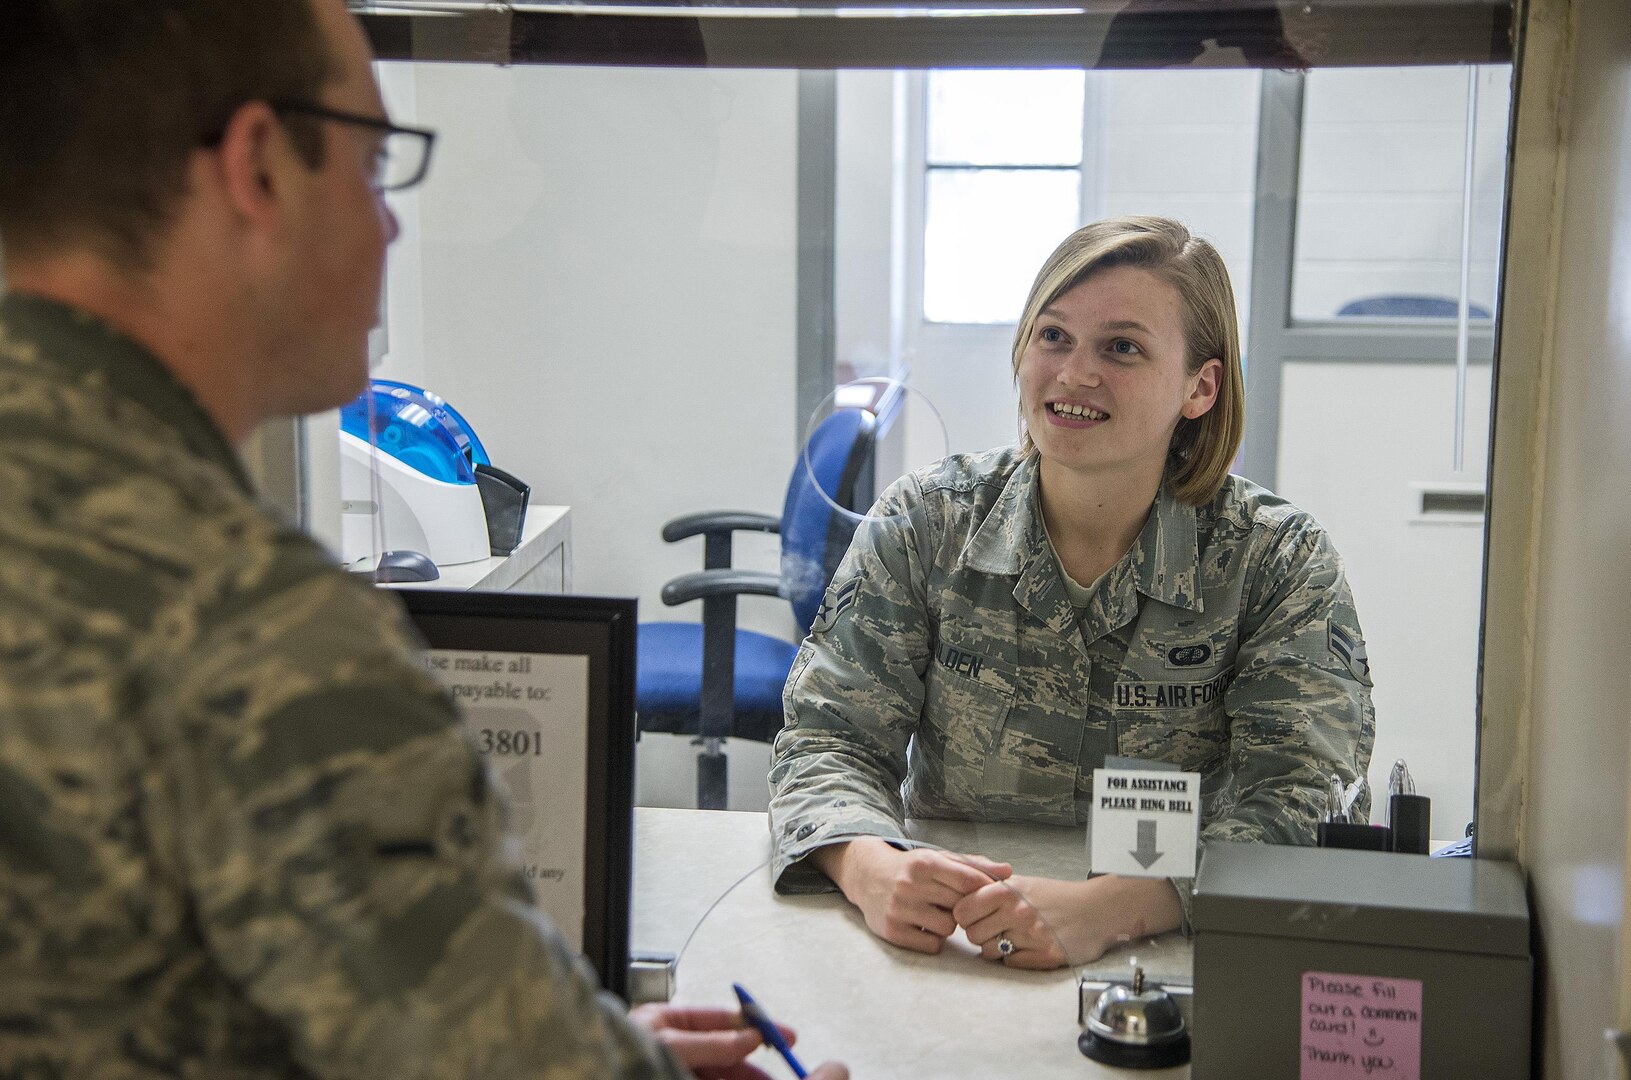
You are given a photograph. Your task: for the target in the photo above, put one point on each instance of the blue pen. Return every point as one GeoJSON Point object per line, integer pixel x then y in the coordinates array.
{"type": "Point", "coordinates": [753, 1014]}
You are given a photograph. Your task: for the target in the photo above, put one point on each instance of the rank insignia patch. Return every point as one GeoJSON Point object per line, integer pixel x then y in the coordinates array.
{"type": "Point", "coordinates": [1345, 647]}
{"type": "Point", "coordinates": [839, 599]}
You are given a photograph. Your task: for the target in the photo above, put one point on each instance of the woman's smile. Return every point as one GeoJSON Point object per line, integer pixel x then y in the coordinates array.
{"type": "Point", "coordinates": [1074, 415]}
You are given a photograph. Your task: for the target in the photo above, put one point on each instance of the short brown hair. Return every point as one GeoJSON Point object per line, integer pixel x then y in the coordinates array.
{"type": "Point", "coordinates": [102, 102]}
{"type": "Point", "coordinates": [1202, 449]}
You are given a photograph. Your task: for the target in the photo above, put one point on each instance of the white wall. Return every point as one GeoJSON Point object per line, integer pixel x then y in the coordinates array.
{"type": "Point", "coordinates": [604, 262]}
{"type": "Point", "coordinates": [1357, 443]}
{"type": "Point", "coordinates": [404, 325]}
{"type": "Point", "coordinates": [870, 222]}
{"type": "Point", "coordinates": [1183, 144]}
{"type": "Point", "coordinates": [1383, 166]}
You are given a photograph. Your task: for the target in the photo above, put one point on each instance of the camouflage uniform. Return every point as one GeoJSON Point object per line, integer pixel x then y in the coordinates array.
{"type": "Point", "coordinates": [240, 833]}
{"type": "Point", "coordinates": [948, 675]}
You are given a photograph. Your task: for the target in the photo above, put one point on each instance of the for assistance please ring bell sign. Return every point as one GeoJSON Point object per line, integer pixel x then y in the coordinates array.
{"type": "Point", "coordinates": [1145, 822]}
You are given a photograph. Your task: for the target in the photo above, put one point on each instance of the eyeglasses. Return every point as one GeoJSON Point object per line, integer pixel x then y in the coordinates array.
{"type": "Point", "coordinates": [403, 157]}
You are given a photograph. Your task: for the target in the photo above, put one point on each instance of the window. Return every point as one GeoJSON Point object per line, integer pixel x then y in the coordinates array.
{"type": "Point", "coordinates": [1395, 164]}
{"type": "Point", "coordinates": [1003, 177]}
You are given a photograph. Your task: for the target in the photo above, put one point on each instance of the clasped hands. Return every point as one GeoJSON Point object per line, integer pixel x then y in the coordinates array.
{"type": "Point", "coordinates": [918, 898]}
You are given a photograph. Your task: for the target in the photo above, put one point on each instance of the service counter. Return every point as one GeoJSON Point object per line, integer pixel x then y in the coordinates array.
{"type": "Point", "coordinates": [702, 891]}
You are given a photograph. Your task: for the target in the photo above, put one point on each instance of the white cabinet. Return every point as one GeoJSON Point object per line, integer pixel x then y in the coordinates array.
{"type": "Point", "coordinates": [542, 564]}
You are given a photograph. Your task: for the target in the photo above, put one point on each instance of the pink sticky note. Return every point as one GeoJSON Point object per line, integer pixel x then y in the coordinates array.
{"type": "Point", "coordinates": [1356, 1027]}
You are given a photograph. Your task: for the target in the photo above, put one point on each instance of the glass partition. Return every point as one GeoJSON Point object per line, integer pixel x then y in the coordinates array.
{"type": "Point", "coordinates": [655, 247]}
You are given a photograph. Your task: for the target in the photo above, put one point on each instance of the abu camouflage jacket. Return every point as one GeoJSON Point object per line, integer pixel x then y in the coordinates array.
{"type": "Point", "coordinates": [241, 835]}
{"type": "Point", "coordinates": [949, 676]}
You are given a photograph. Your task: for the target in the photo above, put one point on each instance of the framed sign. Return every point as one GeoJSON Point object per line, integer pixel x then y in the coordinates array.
{"type": "Point", "coordinates": [545, 684]}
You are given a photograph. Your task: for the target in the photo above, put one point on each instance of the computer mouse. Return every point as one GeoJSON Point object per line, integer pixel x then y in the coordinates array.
{"type": "Point", "coordinates": [405, 565]}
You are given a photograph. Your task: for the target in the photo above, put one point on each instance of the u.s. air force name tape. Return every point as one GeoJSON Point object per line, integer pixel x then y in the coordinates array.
{"type": "Point", "coordinates": [1145, 822]}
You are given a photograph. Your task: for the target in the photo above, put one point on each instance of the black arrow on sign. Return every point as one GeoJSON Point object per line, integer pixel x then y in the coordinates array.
{"type": "Point", "coordinates": [1146, 853]}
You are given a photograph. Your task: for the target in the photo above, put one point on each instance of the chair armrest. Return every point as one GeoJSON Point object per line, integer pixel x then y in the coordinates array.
{"type": "Point", "coordinates": [705, 583]}
{"type": "Point", "coordinates": [719, 521]}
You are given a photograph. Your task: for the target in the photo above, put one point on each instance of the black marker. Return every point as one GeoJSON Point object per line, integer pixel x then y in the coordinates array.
{"type": "Point", "coordinates": [1409, 815]}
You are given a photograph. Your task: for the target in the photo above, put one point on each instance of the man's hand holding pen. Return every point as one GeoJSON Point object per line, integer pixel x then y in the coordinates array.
{"type": "Point", "coordinates": [715, 1043]}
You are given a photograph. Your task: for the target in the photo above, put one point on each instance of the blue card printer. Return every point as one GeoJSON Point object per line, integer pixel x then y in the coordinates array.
{"type": "Point", "coordinates": [1332, 963]}
{"type": "Point", "coordinates": [414, 476]}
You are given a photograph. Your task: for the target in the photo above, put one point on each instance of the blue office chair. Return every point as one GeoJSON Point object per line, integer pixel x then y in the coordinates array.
{"type": "Point", "coordinates": [1405, 306]}
{"type": "Point", "coordinates": [713, 680]}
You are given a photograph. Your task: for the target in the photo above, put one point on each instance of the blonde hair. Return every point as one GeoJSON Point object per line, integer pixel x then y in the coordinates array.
{"type": "Point", "coordinates": [1202, 449]}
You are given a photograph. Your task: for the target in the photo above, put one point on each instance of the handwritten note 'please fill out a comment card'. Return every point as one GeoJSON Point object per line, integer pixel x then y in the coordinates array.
{"type": "Point", "coordinates": [1355, 1027]}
